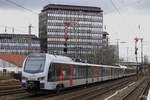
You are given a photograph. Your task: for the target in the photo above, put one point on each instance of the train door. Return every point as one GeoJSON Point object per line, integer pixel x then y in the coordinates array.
{"type": "Point", "coordinates": [71, 75]}
{"type": "Point", "coordinates": [86, 76]}
{"type": "Point", "coordinates": [110, 73]}
{"type": "Point", "coordinates": [92, 74]}
{"type": "Point", "coordinates": [100, 73]}
{"type": "Point", "coordinates": [60, 73]}
{"type": "Point", "coordinates": [96, 74]}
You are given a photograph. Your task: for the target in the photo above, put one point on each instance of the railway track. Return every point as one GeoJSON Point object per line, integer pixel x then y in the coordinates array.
{"type": "Point", "coordinates": [11, 91]}
{"type": "Point", "coordinates": [34, 97]}
{"type": "Point", "coordinates": [91, 92]}
{"type": "Point", "coordinates": [137, 93]}
{"type": "Point", "coordinates": [9, 82]}
{"type": "Point", "coordinates": [145, 92]}
{"type": "Point", "coordinates": [17, 96]}
{"type": "Point", "coordinates": [130, 92]}
{"type": "Point", "coordinates": [79, 93]}
{"type": "Point", "coordinates": [9, 87]}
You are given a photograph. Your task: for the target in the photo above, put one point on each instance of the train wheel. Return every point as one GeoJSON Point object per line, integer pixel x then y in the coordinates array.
{"type": "Point", "coordinates": [59, 87]}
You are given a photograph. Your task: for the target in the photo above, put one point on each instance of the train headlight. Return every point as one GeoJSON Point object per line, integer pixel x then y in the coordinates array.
{"type": "Point", "coordinates": [41, 78]}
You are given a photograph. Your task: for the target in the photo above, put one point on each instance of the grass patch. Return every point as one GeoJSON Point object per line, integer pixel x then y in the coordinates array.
{"type": "Point", "coordinates": [5, 78]}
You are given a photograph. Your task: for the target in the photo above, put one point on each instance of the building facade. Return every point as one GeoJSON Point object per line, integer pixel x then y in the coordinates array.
{"type": "Point", "coordinates": [75, 31]}
{"type": "Point", "coordinates": [19, 44]}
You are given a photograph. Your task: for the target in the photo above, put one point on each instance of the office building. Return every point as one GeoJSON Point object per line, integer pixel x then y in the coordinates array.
{"type": "Point", "coordinates": [75, 31]}
{"type": "Point", "coordinates": [19, 43]}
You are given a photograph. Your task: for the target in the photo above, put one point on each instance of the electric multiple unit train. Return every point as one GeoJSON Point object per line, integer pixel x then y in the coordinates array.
{"type": "Point", "coordinates": [51, 72]}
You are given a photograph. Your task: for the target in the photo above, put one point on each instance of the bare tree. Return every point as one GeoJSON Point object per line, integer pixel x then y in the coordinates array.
{"type": "Point", "coordinates": [146, 60]}
{"type": "Point", "coordinates": [106, 55]}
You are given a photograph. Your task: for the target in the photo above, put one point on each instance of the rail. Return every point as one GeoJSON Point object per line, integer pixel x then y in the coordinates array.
{"type": "Point", "coordinates": [121, 94]}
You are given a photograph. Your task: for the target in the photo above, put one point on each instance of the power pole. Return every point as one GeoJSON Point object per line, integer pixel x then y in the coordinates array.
{"type": "Point", "coordinates": [141, 54]}
{"type": "Point", "coordinates": [118, 51]}
{"type": "Point", "coordinates": [66, 37]}
{"type": "Point", "coordinates": [141, 67]}
{"type": "Point", "coordinates": [5, 29]}
{"type": "Point", "coordinates": [136, 53]}
{"type": "Point", "coordinates": [30, 28]}
{"type": "Point", "coordinates": [13, 30]}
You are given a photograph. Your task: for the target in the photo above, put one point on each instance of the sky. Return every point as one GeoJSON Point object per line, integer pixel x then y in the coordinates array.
{"type": "Point", "coordinates": [121, 18]}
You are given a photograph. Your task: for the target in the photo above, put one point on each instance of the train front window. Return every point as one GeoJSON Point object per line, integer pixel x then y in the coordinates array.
{"type": "Point", "coordinates": [34, 64]}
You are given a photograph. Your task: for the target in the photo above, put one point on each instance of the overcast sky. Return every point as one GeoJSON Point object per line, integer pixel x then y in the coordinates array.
{"type": "Point", "coordinates": [121, 18]}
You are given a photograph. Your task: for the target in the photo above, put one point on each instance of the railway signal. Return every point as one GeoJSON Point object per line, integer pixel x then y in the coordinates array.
{"type": "Point", "coordinates": [66, 25]}
{"type": "Point", "coordinates": [136, 49]}
{"type": "Point", "coordinates": [65, 48]}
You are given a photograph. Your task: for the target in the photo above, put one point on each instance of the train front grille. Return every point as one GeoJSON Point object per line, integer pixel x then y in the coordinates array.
{"type": "Point", "coordinates": [34, 85]}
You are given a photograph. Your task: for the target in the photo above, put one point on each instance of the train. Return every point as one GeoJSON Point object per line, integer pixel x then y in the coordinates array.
{"type": "Point", "coordinates": [46, 72]}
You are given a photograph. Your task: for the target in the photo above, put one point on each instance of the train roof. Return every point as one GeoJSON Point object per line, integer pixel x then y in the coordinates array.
{"type": "Point", "coordinates": [104, 66]}
{"type": "Point", "coordinates": [121, 66]}
{"type": "Point", "coordinates": [60, 59]}
{"type": "Point", "coordinates": [68, 60]}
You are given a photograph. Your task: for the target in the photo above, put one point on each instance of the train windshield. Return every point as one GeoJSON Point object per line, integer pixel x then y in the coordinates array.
{"type": "Point", "coordinates": [34, 64]}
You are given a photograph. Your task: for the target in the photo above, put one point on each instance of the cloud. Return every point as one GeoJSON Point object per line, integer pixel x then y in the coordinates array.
{"type": "Point", "coordinates": [133, 6]}
{"type": "Point", "coordinates": [39, 4]}
{"type": "Point", "coordinates": [123, 5]}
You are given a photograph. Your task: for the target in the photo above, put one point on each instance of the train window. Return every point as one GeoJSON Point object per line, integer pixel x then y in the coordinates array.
{"type": "Point", "coordinates": [106, 71]}
{"type": "Point", "coordinates": [96, 71]}
{"type": "Point", "coordinates": [75, 72]}
{"type": "Point", "coordinates": [89, 72]}
{"type": "Point", "coordinates": [81, 72]}
{"type": "Point", "coordinates": [53, 73]}
{"type": "Point", "coordinates": [93, 71]}
{"type": "Point", "coordinates": [103, 72]}
{"type": "Point", "coordinates": [65, 71]}
{"type": "Point", "coordinates": [49, 74]}
{"type": "Point", "coordinates": [86, 72]}
{"type": "Point", "coordinates": [34, 64]}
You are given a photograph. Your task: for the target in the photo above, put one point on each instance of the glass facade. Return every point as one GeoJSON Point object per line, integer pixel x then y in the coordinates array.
{"type": "Point", "coordinates": [80, 27]}
{"type": "Point", "coordinates": [19, 43]}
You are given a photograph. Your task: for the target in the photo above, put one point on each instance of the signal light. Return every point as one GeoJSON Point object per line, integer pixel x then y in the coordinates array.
{"type": "Point", "coordinates": [65, 49]}
{"type": "Point", "coordinates": [65, 44]}
{"type": "Point", "coordinates": [104, 36]}
{"type": "Point", "coordinates": [136, 49]}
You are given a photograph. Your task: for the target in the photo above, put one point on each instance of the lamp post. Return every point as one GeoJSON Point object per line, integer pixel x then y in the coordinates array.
{"type": "Point", "coordinates": [118, 51]}
{"type": "Point", "coordinates": [141, 54]}
{"type": "Point", "coordinates": [136, 40]}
